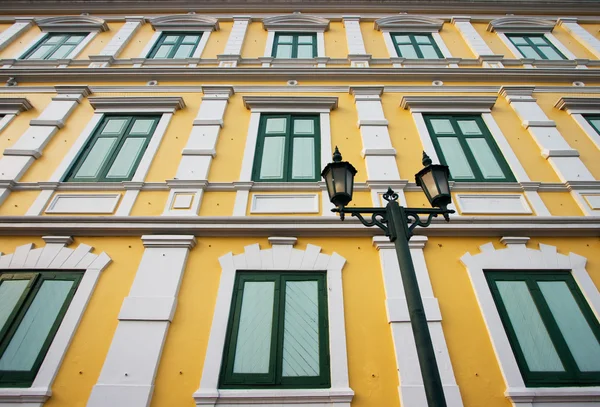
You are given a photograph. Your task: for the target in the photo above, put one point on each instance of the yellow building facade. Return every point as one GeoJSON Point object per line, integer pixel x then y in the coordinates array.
{"type": "Point", "coordinates": [167, 238]}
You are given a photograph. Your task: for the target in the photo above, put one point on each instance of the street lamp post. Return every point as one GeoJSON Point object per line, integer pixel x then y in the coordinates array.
{"type": "Point", "coordinates": [398, 224]}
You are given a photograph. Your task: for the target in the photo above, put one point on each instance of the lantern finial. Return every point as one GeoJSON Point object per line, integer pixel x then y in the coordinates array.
{"type": "Point", "coordinates": [337, 156]}
{"type": "Point", "coordinates": [426, 160]}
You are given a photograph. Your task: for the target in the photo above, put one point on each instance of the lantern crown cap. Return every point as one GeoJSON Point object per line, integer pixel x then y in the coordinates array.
{"type": "Point", "coordinates": [337, 156]}
{"type": "Point", "coordinates": [426, 160]}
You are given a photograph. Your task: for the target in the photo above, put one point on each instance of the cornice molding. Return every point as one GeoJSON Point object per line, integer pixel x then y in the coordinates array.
{"type": "Point", "coordinates": [447, 103]}
{"type": "Point", "coordinates": [169, 241]}
{"type": "Point", "coordinates": [124, 103]}
{"type": "Point", "coordinates": [295, 21]}
{"type": "Point", "coordinates": [72, 24]}
{"type": "Point", "coordinates": [185, 22]}
{"type": "Point", "coordinates": [578, 104]}
{"type": "Point", "coordinates": [14, 105]}
{"type": "Point", "coordinates": [409, 23]}
{"type": "Point", "coordinates": [293, 102]}
{"type": "Point", "coordinates": [519, 24]}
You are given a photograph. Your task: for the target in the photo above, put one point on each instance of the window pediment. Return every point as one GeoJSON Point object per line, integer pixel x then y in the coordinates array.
{"type": "Point", "coordinates": [448, 103]}
{"type": "Point", "coordinates": [292, 102]}
{"type": "Point", "coordinates": [14, 105]}
{"type": "Point", "coordinates": [185, 22]}
{"type": "Point", "coordinates": [409, 23]}
{"type": "Point", "coordinates": [72, 24]}
{"type": "Point", "coordinates": [296, 22]}
{"type": "Point", "coordinates": [521, 25]}
{"type": "Point", "coordinates": [578, 104]}
{"type": "Point", "coordinates": [134, 103]}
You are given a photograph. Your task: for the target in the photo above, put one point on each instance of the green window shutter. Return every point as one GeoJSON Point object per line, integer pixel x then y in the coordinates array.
{"type": "Point", "coordinates": [35, 306]}
{"type": "Point", "coordinates": [55, 46]}
{"type": "Point", "coordinates": [173, 45]}
{"type": "Point", "coordinates": [278, 332]}
{"type": "Point", "coordinates": [294, 45]}
{"type": "Point", "coordinates": [288, 149]}
{"type": "Point", "coordinates": [535, 46]}
{"type": "Point", "coordinates": [115, 150]}
{"type": "Point", "coordinates": [594, 121]}
{"type": "Point", "coordinates": [416, 46]}
{"type": "Point", "coordinates": [551, 328]}
{"type": "Point", "coordinates": [464, 144]}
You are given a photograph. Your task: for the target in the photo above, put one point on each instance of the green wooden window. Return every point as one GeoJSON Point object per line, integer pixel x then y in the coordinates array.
{"type": "Point", "coordinates": [55, 46]}
{"type": "Point", "coordinates": [32, 306]}
{"type": "Point", "coordinates": [175, 45]}
{"type": "Point", "coordinates": [465, 145]}
{"type": "Point", "coordinates": [421, 46]}
{"type": "Point", "coordinates": [278, 332]}
{"type": "Point", "coordinates": [594, 121]}
{"type": "Point", "coordinates": [535, 46]}
{"type": "Point", "coordinates": [288, 149]}
{"type": "Point", "coordinates": [289, 45]}
{"type": "Point", "coordinates": [551, 328]}
{"type": "Point", "coordinates": [115, 150]}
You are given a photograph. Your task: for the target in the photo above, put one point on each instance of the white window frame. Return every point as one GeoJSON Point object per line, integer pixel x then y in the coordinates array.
{"type": "Point", "coordinates": [167, 106]}
{"type": "Point", "coordinates": [517, 257]}
{"type": "Point", "coordinates": [185, 23]}
{"type": "Point", "coordinates": [70, 24]}
{"type": "Point", "coordinates": [577, 107]}
{"type": "Point", "coordinates": [281, 257]}
{"type": "Point", "coordinates": [10, 108]}
{"type": "Point", "coordinates": [321, 105]}
{"type": "Point", "coordinates": [481, 105]}
{"type": "Point", "coordinates": [294, 23]}
{"type": "Point", "coordinates": [54, 256]}
{"type": "Point", "coordinates": [527, 25]}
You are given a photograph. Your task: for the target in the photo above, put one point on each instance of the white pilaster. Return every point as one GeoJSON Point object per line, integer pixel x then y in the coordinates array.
{"type": "Point", "coordinates": [581, 34]}
{"type": "Point", "coordinates": [20, 25]}
{"type": "Point", "coordinates": [233, 48]}
{"type": "Point", "coordinates": [199, 151]}
{"type": "Point", "coordinates": [127, 377]}
{"type": "Point", "coordinates": [122, 38]}
{"type": "Point", "coordinates": [412, 391]}
{"type": "Point", "coordinates": [475, 42]}
{"type": "Point", "coordinates": [563, 158]}
{"type": "Point", "coordinates": [356, 47]}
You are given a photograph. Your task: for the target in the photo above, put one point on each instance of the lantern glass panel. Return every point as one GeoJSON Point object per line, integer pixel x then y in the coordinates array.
{"type": "Point", "coordinates": [429, 185]}
{"type": "Point", "coordinates": [442, 181]}
{"type": "Point", "coordinates": [339, 179]}
{"type": "Point", "coordinates": [329, 181]}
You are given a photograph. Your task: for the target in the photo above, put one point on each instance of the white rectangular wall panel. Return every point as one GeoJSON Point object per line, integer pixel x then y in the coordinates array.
{"type": "Point", "coordinates": [493, 204]}
{"type": "Point", "coordinates": [300, 203]}
{"type": "Point", "coordinates": [83, 203]}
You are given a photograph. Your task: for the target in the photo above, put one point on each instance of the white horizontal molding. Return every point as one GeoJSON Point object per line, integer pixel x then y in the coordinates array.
{"type": "Point", "coordinates": [297, 203]}
{"type": "Point", "coordinates": [14, 105]}
{"type": "Point", "coordinates": [493, 204]}
{"type": "Point", "coordinates": [520, 24]}
{"type": "Point", "coordinates": [164, 104]}
{"type": "Point", "coordinates": [578, 104]}
{"type": "Point", "coordinates": [72, 24]}
{"type": "Point", "coordinates": [169, 241]}
{"type": "Point", "coordinates": [555, 396]}
{"type": "Point", "coordinates": [185, 22]}
{"type": "Point", "coordinates": [450, 103]}
{"type": "Point", "coordinates": [296, 21]}
{"type": "Point", "coordinates": [251, 398]}
{"type": "Point", "coordinates": [83, 203]}
{"type": "Point", "coordinates": [409, 23]}
{"type": "Point", "coordinates": [292, 103]}
{"type": "Point", "coordinates": [148, 309]}
{"type": "Point", "coordinates": [593, 200]}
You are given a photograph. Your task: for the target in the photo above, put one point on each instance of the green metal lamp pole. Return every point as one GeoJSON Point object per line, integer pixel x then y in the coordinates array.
{"type": "Point", "coordinates": [398, 224]}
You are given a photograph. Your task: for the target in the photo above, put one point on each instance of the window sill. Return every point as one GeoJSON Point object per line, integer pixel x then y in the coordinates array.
{"type": "Point", "coordinates": [336, 396]}
{"type": "Point", "coordinates": [558, 396]}
{"type": "Point", "coordinates": [30, 396]}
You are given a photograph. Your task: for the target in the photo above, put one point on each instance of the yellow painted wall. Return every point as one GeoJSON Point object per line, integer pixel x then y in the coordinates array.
{"type": "Point", "coordinates": [571, 131]}
{"type": "Point", "coordinates": [150, 203]}
{"type": "Point", "coordinates": [560, 204]}
{"type": "Point", "coordinates": [571, 43]}
{"type": "Point", "coordinates": [100, 41]}
{"type": "Point", "coordinates": [18, 202]}
{"type": "Point", "coordinates": [374, 42]}
{"type": "Point", "coordinates": [371, 362]}
{"type": "Point", "coordinates": [492, 40]}
{"type": "Point", "coordinates": [335, 41]}
{"type": "Point", "coordinates": [20, 43]}
{"type": "Point", "coordinates": [217, 204]}
{"type": "Point", "coordinates": [455, 42]}
{"type": "Point", "coordinates": [140, 39]}
{"type": "Point", "coordinates": [255, 41]}
{"type": "Point", "coordinates": [217, 40]}
{"type": "Point", "coordinates": [593, 29]}
{"type": "Point", "coordinates": [346, 135]}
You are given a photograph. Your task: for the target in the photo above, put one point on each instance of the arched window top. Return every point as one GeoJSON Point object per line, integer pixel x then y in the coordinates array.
{"type": "Point", "coordinates": [72, 24]}
{"type": "Point", "coordinates": [185, 22]}
{"type": "Point", "coordinates": [513, 24]}
{"type": "Point", "coordinates": [410, 23]}
{"type": "Point", "coordinates": [296, 21]}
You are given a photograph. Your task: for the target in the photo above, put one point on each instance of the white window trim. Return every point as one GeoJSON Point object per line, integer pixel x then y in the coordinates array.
{"type": "Point", "coordinates": [54, 256]}
{"type": "Point", "coordinates": [481, 105]}
{"type": "Point", "coordinates": [517, 257]}
{"type": "Point", "coordinates": [577, 107]}
{"type": "Point", "coordinates": [321, 105]}
{"type": "Point", "coordinates": [281, 257]}
{"type": "Point", "coordinates": [71, 55]}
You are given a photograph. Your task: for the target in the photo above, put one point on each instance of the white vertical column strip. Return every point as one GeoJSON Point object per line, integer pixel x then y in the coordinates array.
{"type": "Point", "coordinates": [123, 37]}
{"type": "Point", "coordinates": [127, 377]}
{"type": "Point", "coordinates": [581, 34]}
{"type": "Point", "coordinates": [233, 49]}
{"type": "Point", "coordinates": [475, 42]}
{"type": "Point", "coordinates": [356, 46]}
{"type": "Point", "coordinates": [243, 187]}
{"type": "Point", "coordinates": [411, 387]}
{"type": "Point", "coordinates": [20, 25]}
